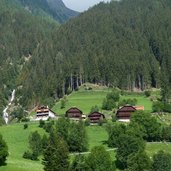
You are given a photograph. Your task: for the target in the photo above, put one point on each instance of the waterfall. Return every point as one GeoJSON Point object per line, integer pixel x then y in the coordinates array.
{"type": "Point", "coordinates": [5, 114]}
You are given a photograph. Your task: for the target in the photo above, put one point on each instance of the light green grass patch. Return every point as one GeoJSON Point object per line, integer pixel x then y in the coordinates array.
{"type": "Point", "coordinates": [84, 100]}
{"type": "Point", "coordinates": [97, 135]}
{"type": "Point", "coordinates": [141, 101]}
{"type": "Point", "coordinates": [17, 140]}
{"type": "Point", "coordinates": [153, 148]}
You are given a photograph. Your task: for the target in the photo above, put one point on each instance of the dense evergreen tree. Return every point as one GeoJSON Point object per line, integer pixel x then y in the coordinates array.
{"type": "Point", "coordinates": [99, 159]}
{"type": "Point", "coordinates": [3, 151]}
{"type": "Point", "coordinates": [128, 146]}
{"type": "Point", "coordinates": [56, 155]}
{"type": "Point", "coordinates": [149, 126]}
{"type": "Point", "coordinates": [35, 143]}
{"type": "Point", "coordinates": [114, 131]}
{"type": "Point", "coordinates": [77, 138]}
{"type": "Point", "coordinates": [78, 164]}
{"type": "Point", "coordinates": [161, 161]}
{"type": "Point", "coordinates": [139, 162]}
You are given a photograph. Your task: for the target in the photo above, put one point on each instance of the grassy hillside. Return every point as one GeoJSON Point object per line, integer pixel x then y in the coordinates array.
{"type": "Point", "coordinates": [85, 99]}
{"type": "Point", "coordinates": [17, 140]}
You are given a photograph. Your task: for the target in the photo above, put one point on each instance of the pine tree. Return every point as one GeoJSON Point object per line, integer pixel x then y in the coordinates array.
{"type": "Point", "coordinates": [56, 155]}
{"type": "Point", "coordinates": [3, 151]}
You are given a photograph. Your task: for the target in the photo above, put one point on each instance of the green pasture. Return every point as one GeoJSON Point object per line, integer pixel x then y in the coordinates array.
{"type": "Point", "coordinates": [17, 140]}
{"type": "Point", "coordinates": [142, 100]}
{"type": "Point", "coordinates": [153, 148]}
{"type": "Point", "coordinates": [85, 99]}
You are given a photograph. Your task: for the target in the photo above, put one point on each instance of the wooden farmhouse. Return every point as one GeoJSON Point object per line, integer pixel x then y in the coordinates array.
{"type": "Point", "coordinates": [74, 113]}
{"type": "Point", "coordinates": [44, 113]}
{"type": "Point", "coordinates": [96, 117]}
{"type": "Point", "coordinates": [125, 112]}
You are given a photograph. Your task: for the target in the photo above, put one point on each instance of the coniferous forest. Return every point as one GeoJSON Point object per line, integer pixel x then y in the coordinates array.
{"type": "Point", "coordinates": [123, 44]}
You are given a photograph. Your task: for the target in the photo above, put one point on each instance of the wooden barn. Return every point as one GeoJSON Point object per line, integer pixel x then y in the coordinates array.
{"type": "Point", "coordinates": [74, 113]}
{"type": "Point", "coordinates": [124, 113]}
{"type": "Point", "coordinates": [44, 113]}
{"type": "Point", "coordinates": [95, 117]}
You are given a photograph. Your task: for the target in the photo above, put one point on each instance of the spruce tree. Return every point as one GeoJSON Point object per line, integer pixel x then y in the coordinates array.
{"type": "Point", "coordinates": [56, 155]}
{"type": "Point", "coordinates": [3, 151]}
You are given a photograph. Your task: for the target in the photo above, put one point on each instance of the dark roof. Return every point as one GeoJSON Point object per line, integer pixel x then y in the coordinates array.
{"type": "Point", "coordinates": [96, 114]}
{"type": "Point", "coordinates": [127, 108]}
{"type": "Point", "coordinates": [74, 110]}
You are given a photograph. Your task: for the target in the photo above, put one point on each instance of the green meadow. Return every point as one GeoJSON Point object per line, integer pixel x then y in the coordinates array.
{"type": "Point", "coordinates": [17, 140]}
{"type": "Point", "coordinates": [85, 99]}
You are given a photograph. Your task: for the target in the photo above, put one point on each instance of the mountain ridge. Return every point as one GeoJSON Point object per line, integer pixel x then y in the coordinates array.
{"type": "Point", "coordinates": [54, 8]}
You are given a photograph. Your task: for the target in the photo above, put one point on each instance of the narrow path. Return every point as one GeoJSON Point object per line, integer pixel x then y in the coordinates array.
{"type": "Point", "coordinates": [88, 152]}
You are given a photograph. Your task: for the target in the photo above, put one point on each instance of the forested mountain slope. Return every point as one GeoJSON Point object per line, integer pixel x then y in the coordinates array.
{"type": "Point", "coordinates": [123, 44]}
{"type": "Point", "coordinates": [53, 8]}
{"type": "Point", "coordinates": [21, 35]}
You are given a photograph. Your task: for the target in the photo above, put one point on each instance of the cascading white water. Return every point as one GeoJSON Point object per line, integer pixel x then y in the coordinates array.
{"type": "Point", "coordinates": [5, 114]}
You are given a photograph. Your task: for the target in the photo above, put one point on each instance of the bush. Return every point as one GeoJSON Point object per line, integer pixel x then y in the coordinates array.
{"type": "Point", "coordinates": [25, 126]}
{"type": "Point", "coordinates": [63, 102]}
{"type": "Point", "coordinates": [87, 122]}
{"type": "Point", "coordinates": [132, 102]}
{"type": "Point", "coordinates": [94, 109]}
{"type": "Point", "coordinates": [88, 88]}
{"type": "Point", "coordinates": [3, 151]}
{"type": "Point", "coordinates": [101, 122]}
{"type": "Point", "coordinates": [27, 155]}
{"type": "Point", "coordinates": [41, 123]}
{"type": "Point", "coordinates": [167, 108]}
{"type": "Point", "coordinates": [114, 119]}
{"type": "Point", "coordinates": [147, 93]}
{"type": "Point", "coordinates": [25, 119]}
{"type": "Point", "coordinates": [158, 106]}
{"type": "Point", "coordinates": [110, 101]}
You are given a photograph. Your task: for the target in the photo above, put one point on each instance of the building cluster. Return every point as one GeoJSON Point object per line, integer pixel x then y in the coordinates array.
{"type": "Point", "coordinates": [123, 114]}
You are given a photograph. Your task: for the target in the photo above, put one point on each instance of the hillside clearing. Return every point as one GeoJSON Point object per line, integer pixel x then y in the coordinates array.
{"type": "Point", "coordinates": [85, 99]}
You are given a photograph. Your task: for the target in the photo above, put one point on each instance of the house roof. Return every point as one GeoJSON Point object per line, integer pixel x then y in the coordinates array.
{"type": "Point", "coordinates": [127, 108]}
{"type": "Point", "coordinates": [74, 110]}
{"type": "Point", "coordinates": [44, 109]}
{"type": "Point", "coordinates": [96, 114]}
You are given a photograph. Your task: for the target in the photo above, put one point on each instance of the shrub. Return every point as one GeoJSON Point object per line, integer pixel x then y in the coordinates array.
{"type": "Point", "coordinates": [27, 155]}
{"type": "Point", "coordinates": [41, 123]}
{"type": "Point", "coordinates": [94, 109]}
{"type": "Point", "coordinates": [25, 126]}
{"type": "Point", "coordinates": [25, 119]}
{"type": "Point", "coordinates": [87, 122]}
{"type": "Point", "coordinates": [3, 151]}
{"type": "Point", "coordinates": [147, 93]}
{"type": "Point", "coordinates": [167, 108]}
